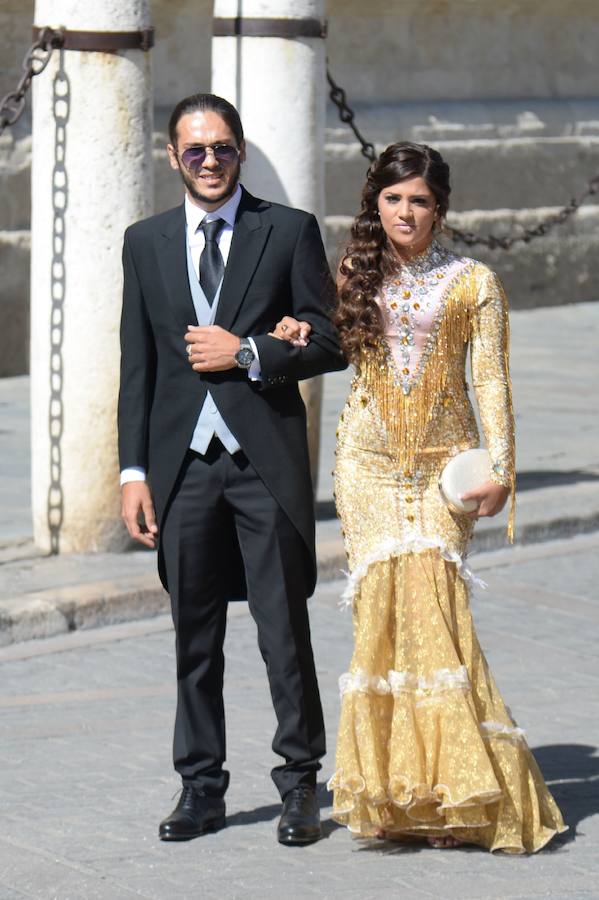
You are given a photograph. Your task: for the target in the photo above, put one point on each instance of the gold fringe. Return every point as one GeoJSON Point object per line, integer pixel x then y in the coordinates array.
{"type": "Point", "coordinates": [512, 518]}
{"type": "Point", "coordinates": [506, 360]}
{"type": "Point", "coordinates": [406, 416]}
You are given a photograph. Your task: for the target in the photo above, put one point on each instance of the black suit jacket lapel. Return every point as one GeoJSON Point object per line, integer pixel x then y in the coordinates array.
{"type": "Point", "coordinates": [249, 238]}
{"type": "Point", "coordinates": [172, 259]}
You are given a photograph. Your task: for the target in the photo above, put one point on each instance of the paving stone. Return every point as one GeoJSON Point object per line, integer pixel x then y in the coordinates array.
{"type": "Point", "coordinates": [85, 769]}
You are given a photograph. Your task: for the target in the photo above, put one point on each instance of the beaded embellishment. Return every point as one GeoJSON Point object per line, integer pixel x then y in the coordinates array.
{"type": "Point", "coordinates": [414, 304]}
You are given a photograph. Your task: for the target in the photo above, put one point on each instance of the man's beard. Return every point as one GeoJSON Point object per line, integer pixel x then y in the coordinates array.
{"type": "Point", "coordinates": [201, 198]}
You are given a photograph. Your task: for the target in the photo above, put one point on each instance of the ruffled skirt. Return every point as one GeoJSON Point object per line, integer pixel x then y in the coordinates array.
{"type": "Point", "coordinates": [426, 745]}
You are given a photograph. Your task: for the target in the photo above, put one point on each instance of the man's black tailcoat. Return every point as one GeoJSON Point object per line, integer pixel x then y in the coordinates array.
{"type": "Point", "coordinates": [276, 267]}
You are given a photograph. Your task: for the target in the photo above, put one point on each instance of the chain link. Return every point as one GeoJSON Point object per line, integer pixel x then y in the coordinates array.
{"type": "Point", "coordinates": [493, 241]}
{"type": "Point", "coordinates": [347, 115]}
{"type": "Point", "coordinates": [526, 235]}
{"type": "Point", "coordinates": [35, 61]}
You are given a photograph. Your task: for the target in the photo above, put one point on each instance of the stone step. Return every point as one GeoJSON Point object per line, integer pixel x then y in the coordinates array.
{"type": "Point", "coordinates": [486, 174]}
{"type": "Point", "coordinates": [15, 251]}
{"type": "Point", "coordinates": [561, 267]}
{"type": "Point", "coordinates": [15, 184]}
{"type": "Point", "coordinates": [446, 120]}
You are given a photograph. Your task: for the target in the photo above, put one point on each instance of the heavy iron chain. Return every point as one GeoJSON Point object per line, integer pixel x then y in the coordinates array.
{"type": "Point", "coordinates": [493, 241]}
{"type": "Point", "coordinates": [347, 116]}
{"type": "Point", "coordinates": [35, 61]}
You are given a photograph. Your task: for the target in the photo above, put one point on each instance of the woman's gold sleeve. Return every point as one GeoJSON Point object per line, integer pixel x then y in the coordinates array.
{"type": "Point", "coordinates": [489, 352]}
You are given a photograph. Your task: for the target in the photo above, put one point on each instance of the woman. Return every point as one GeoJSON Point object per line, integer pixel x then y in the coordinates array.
{"type": "Point", "coordinates": [426, 746]}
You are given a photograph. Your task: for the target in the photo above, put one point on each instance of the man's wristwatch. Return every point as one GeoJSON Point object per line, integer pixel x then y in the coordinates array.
{"type": "Point", "coordinates": [245, 355]}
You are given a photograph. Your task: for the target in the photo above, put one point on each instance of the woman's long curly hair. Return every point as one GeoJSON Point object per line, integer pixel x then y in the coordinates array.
{"type": "Point", "coordinates": [370, 257]}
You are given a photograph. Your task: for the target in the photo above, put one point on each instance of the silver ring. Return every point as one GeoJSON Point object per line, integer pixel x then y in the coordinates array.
{"type": "Point", "coordinates": [189, 349]}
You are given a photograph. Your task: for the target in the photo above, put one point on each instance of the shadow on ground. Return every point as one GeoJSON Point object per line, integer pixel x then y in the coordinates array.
{"type": "Point", "coordinates": [572, 773]}
{"type": "Point", "coordinates": [273, 811]}
{"type": "Point", "coordinates": [253, 816]}
{"type": "Point", "coordinates": [533, 480]}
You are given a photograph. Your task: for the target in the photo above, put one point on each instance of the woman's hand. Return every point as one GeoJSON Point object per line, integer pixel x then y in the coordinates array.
{"type": "Point", "coordinates": [491, 499]}
{"type": "Point", "coordinates": [289, 329]}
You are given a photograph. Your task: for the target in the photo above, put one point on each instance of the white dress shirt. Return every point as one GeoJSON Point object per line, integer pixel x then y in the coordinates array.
{"type": "Point", "coordinates": [194, 217]}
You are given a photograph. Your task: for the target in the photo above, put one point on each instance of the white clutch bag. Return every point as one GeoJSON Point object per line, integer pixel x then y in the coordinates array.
{"type": "Point", "coordinates": [464, 472]}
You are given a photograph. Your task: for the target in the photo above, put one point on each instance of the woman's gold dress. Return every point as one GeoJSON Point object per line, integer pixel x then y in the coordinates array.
{"type": "Point", "coordinates": [426, 745]}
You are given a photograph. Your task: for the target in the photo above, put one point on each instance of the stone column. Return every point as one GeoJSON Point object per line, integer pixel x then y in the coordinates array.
{"type": "Point", "coordinates": [91, 177]}
{"type": "Point", "coordinates": [279, 87]}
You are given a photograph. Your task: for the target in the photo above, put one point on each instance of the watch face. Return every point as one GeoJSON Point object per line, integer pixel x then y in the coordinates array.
{"type": "Point", "coordinates": [244, 357]}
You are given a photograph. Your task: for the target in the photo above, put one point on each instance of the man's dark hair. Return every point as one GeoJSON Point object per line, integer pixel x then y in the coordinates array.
{"type": "Point", "coordinates": [204, 102]}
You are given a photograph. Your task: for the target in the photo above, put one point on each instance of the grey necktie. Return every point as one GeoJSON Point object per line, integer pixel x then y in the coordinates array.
{"type": "Point", "coordinates": [212, 266]}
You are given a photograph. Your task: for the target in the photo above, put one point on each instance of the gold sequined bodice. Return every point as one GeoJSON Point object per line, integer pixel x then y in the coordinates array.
{"type": "Point", "coordinates": [409, 406]}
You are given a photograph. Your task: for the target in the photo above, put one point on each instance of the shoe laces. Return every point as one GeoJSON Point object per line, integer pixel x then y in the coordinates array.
{"type": "Point", "coordinates": [297, 795]}
{"type": "Point", "coordinates": [187, 794]}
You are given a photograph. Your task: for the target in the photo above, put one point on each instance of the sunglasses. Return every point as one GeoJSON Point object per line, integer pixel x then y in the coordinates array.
{"type": "Point", "coordinates": [194, 157]}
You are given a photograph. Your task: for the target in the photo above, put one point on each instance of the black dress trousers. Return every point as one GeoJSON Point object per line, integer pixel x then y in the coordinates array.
{"type": "Point", "coordinates": [214, 494]}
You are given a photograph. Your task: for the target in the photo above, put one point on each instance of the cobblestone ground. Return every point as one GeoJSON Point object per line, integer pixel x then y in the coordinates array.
{"type": "Point", "coordinates": [85, 772]}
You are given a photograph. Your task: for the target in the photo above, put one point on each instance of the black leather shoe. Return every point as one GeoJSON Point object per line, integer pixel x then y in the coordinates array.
{"type": "Point", "coordinates": [194, 814]}
{"type": "Point", "coordinates": [300, 819]}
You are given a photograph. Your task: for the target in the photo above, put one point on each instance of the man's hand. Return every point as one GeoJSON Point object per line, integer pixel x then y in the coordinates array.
{"type": "Point", "coordinates": [212, 348]}
{"type": "Point", "coordinates": [136, 501]}
{"type": "Point", "coordinates": [491, 499]}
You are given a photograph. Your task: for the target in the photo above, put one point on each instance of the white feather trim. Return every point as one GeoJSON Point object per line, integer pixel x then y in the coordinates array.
{"type": "Point", "coordinates": [413, 543]}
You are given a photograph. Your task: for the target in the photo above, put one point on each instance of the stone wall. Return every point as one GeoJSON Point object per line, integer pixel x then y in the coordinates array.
{"type": "Point", "coordinates": [420, 50]}
{"type": "Point", "coordinates": [507, 91]}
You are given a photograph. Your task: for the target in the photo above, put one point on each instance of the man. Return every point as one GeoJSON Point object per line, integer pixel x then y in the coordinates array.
{"type": "Point", "coordinates": [210, 414]}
